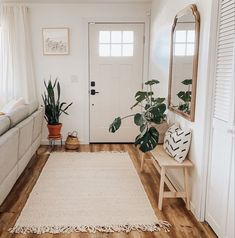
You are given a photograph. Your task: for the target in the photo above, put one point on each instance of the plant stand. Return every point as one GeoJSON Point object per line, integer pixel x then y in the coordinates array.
{"type": "Point", "coordinates": [52, 140]}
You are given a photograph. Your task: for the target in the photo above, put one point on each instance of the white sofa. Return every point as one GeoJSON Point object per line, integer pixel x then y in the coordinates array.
{"type": "Point", "coordinates": [20, 137]}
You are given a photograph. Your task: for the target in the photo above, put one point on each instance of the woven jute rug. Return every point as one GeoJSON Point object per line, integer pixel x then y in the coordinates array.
{"type": "Point", "coordinates": [88, 192]}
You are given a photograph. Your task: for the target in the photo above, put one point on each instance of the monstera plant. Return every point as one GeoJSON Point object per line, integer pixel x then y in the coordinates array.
{"type": "Point", "coordinates": [152, 112]}
{"type": "Point", "coordinates": [186, 97]}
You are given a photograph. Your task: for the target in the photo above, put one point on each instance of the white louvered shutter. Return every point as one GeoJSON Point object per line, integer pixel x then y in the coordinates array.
{"type": "Point", "coordinates": [225, 60]}
{"type": "Point", "coordinates": [220, 194]}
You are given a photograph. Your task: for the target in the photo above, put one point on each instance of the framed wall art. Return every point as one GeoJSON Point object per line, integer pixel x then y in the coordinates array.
{"type": "Point", "coordinates": [55, 41]}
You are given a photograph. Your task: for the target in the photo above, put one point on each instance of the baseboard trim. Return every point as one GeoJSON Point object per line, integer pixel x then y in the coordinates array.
{"type": "Point", "coordinates": [46, 142]}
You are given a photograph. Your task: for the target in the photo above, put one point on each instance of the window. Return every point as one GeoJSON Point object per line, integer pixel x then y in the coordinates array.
{"type": "Point", "coordinates": [184, 43]}
{"type": "Point", "coordinates": [116, 43]}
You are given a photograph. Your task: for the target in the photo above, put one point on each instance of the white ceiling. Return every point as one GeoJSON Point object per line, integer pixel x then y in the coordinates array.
{"type": "Point", "coordinates": [75, 1]}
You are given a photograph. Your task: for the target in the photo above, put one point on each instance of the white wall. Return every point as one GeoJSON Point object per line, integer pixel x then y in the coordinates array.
{"type": "Point", "coordinates": [74, 16]}
{"type": "Point", "coordinates": [163, 13]}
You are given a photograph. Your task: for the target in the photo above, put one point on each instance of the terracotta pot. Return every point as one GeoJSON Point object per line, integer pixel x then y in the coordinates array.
{"type": "Point", "coordinates": [54, 130]}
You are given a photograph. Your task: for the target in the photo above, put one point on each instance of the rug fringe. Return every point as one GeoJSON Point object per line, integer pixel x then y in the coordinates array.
{"type": "Point", "coordinates": [84, 152]}
{"type": "Point", "coordinates": [90, 229]}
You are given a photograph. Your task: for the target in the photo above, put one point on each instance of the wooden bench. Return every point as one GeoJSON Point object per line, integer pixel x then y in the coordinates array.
{"type": "Point", "coordinates": [162, 161]}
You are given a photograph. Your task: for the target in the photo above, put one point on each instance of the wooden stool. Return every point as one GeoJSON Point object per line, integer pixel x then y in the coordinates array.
{"type": "Point", "coordinates": [162, 161]}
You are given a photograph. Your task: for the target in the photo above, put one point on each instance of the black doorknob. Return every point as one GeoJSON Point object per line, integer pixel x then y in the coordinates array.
{"type": "Point", "coordinates": [93, 92]}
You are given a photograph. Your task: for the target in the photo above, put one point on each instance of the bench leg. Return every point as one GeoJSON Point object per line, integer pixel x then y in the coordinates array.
{"type": "Point", "coordinates": [142, 162]}
{"type": "Point", "coordinates": [186, 188]}
{"type": "Point", "coordinates": [161, 191]}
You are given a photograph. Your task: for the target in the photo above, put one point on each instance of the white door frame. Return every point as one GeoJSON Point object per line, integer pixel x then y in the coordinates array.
{"type": "Point", "coordinates": [86, 22]}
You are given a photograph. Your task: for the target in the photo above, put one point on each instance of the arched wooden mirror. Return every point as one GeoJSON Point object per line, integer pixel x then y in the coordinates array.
{"type": "Point", "coordinates": [184, 62]}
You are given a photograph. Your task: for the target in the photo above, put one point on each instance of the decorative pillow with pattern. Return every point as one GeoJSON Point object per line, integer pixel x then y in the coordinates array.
{"type": "Point", "coordinates": [177, 142]}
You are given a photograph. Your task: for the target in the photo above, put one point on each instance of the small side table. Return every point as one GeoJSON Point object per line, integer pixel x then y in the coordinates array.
{"type": "Point", "coordinates": [53, 139]}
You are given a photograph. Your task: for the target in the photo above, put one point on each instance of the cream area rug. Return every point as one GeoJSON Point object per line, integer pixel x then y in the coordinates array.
{"type": "Point", "coordinates": [88, 192]}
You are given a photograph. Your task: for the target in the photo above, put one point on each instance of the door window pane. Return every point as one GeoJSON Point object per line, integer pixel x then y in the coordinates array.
{"type": "Point", "coordinates": [127, 49]}
{"type": "Point", "coordinates": [104, 37]}
{"type": "Point", "coordinates": [116, 37]}
{"type": "Point", "coordinates": [116, 43]}
{"type": "Point", "coordinates": [128, 37]}
{"type": "Point", "coordinates": [116, 50]}
{"type": "Point", "coordinates": [104, 50]}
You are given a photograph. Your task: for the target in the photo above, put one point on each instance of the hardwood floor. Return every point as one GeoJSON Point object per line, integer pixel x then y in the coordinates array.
{"type": "Point", "coordinates": [184, 225]}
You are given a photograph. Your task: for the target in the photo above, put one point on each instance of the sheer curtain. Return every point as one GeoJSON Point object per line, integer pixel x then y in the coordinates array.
{"type": "Point", "coordinates": [16, 66]}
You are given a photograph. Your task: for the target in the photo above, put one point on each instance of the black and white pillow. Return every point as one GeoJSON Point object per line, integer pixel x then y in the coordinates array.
{"type": "Point", "coordinates": [177, 142]}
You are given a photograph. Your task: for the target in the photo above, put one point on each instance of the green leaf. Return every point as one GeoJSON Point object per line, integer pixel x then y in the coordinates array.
{"type": "Point", "coordinates": [187, 82]}
{"type": "Point", "coordinates": [160, 100]}
{"type": "Point", "coordinates": [147, 106]}
{"type": "Point", "coordinates": [152, 82]}
{"type": "Point", "coordinates": [148, 141]}
{"type": "Point", "coordinates": [58, 92]}
{"type": "Point", "coordinates": [143, 127]}
{"type": "Point", "coordinates": [115, 125]}
{"type": "Point", "coordinates": [185, 96]}
{"type": "Point", "coordinates": [156, 114]}
{"type": "Point", "coordinates": [67, 106]}
{"type": "Point", "coordinates": [140, 96]}
{"type": "Point", "coordinates": [138, 119]}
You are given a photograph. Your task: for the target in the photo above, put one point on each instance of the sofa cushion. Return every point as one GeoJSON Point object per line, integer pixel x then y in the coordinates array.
{"type": "Point", "coordinates": [25, 135]}
{"type": "Point", "coordinates": [4, 124]}
{"type": "Point", "coordinates": [18, 114]}
{"type": "Point", "coordinates": [8, 152]}
{"type": "Point", "coordinates": [33, 106]}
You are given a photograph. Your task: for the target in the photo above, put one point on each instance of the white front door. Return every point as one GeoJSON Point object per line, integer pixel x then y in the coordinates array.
{"type": "Point", "coordinates": [116, 74]}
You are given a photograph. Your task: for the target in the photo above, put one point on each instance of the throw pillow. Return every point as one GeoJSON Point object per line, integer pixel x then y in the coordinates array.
{"type": "Point", "coordinates": [12, 105]}
{"type": "Point", "coordinates": [177, 142]}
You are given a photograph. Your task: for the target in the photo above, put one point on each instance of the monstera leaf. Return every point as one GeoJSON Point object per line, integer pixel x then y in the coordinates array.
{"type": "Point", "coordinates": [139, 119]}
{"type": "Point", "coordinates": [147, 141]}
{"type": "Point", "coordinates": [185, 96]}
{"type": "Point", "coordinates": [115, 125]}
{"type": "Point", "coordinates": [187, 82]}
{"type": "Point", "coordinates": [152, 82]}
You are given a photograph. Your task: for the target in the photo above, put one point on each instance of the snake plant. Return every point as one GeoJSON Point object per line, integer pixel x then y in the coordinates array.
{"type": "Point", "coordinates": [153, 112]}
{"type": "Point", "coordinates": [53, 107]}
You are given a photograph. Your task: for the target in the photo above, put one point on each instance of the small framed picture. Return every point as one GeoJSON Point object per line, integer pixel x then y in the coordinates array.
{"type": "Point", "coordinates": [55, 41]}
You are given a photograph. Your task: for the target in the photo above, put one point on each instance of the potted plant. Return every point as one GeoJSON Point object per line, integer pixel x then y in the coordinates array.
{"type": "Point", "coordinates": [152, 112]}
{"type": "Point", "coordinates": [53, 108]}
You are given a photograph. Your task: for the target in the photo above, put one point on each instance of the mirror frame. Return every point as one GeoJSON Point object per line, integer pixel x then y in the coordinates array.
{"type": "Point", "coordinates": [192, 9]}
